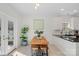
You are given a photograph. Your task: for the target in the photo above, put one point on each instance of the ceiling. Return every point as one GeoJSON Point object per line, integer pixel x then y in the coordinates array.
{"type": "Point", "coordinates": [45, 9]}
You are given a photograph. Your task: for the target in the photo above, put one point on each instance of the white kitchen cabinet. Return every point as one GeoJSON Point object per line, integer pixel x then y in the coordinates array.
{"type": "Point", "coordinates": [76, 23]}
{"type": "Point", "coordinates": [66, 47]}
{"type": "Point", "coordinates": [73, 22]}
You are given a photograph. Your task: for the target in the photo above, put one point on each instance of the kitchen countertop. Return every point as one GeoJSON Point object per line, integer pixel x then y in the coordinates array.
{"type": "Point", "coordinates": [70, 38]}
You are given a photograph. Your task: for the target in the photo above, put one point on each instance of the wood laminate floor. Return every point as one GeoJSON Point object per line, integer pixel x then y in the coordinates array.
{"type": "Point", "coordinates": [26, 50]}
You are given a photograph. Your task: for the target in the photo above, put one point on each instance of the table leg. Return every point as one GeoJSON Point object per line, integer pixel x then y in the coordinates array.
{"type": "Point", "coordinates": [47, 51]}
{"type": "Point", "coordinates": [31, 52]}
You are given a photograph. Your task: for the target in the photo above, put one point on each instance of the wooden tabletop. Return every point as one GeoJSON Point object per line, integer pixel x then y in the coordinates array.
{"type": "Point", "coordinates": [41, 41]}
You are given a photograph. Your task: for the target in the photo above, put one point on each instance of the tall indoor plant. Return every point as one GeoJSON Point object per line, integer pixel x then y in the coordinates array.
{"type": "Point", "coordinates": [23, 36]}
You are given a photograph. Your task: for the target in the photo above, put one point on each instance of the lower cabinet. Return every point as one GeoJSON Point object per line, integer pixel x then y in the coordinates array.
{"type": "Point", "coordinates": [66, 47]}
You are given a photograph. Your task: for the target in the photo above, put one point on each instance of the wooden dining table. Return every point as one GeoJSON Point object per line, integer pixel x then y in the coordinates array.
{"type": "Point", "coordinates": [40, 43]}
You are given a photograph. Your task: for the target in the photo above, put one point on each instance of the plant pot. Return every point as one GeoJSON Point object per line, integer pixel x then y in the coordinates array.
{"type": "Point", "coordinates": [24, 43]}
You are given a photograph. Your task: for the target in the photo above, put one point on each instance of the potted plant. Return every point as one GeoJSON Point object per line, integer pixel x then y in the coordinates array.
{"type": "Point", "coordinates": [38, 34]}
{"type": "Point", "coordinates": [23, 36]}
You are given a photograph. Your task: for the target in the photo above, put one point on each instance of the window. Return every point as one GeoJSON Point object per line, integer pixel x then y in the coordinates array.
{"type": "Point", "coordinates": [38, 24]}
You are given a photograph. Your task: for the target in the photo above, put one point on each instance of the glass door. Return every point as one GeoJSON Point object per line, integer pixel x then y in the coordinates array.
{"type": "Point", "coordinates": [9, 34]}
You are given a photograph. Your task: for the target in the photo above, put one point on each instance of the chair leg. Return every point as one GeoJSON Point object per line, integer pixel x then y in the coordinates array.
{"type": "Point", "coordinates": [47, 52]}
{"type": "Point", "coordinates": [31, 52]}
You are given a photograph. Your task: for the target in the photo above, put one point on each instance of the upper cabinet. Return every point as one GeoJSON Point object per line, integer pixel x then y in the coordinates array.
{"type": "Point", "coordinates": [76, 23]}
{"type": "Point", "coordinates": [73, 23]}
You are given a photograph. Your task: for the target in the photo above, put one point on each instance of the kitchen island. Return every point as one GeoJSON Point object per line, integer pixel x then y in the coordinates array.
{"type": "Point", "coordinates": [66, 45]}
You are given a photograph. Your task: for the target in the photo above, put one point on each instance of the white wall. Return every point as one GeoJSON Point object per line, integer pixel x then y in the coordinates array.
{"type": "Point", "coordinates": [51, 23]}
{"type": "Point", "coordinates": [28, 21]}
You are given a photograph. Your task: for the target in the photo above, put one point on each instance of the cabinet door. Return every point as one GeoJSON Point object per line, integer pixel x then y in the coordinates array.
{"type": "Point", "coordinates": [76, 23]}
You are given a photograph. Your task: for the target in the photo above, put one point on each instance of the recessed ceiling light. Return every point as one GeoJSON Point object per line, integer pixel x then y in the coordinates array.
{"type": "Point", "coordinates": [35, 7]}
{"type": "Point", "coordinates": [62, 9]}
{"type": "Point", "coordinates": [75, 11]}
